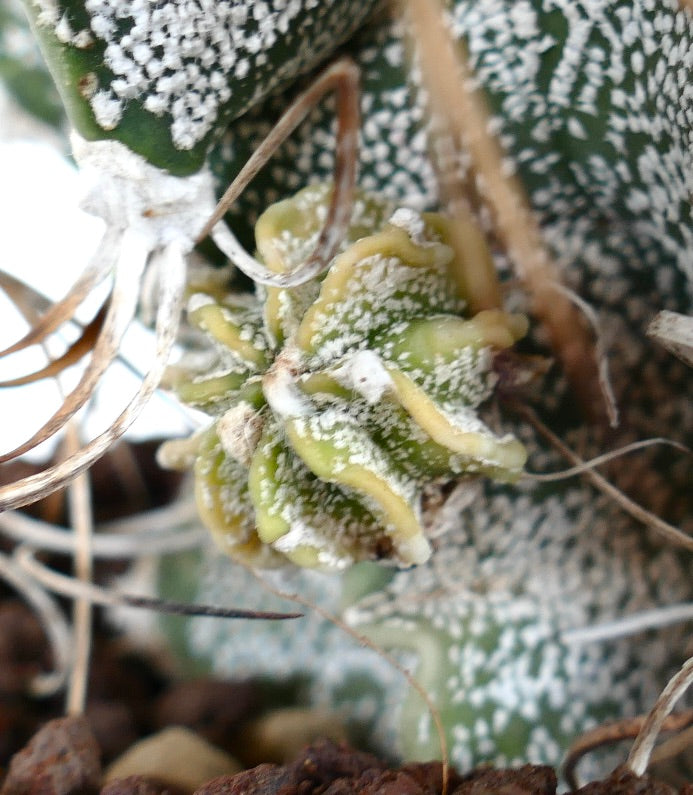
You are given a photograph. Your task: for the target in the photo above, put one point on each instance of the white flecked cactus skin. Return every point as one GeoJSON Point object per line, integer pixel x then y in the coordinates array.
{"type": "Point", "coordinates": [593, 104]}
{"type": "Point", "coordinates": [339, 402]}
{"type": "Point", "coordinates": [164, 78]}
{"type": "Point", "coordinates": [598, 126]}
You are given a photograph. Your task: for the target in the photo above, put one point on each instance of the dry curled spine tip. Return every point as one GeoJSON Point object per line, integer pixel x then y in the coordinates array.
{"type": "Point", "coordinates": [639, 756]}
{"type": "Point", "coordinates": [672, 534]}
{"type": "Point", "coordinates": [364, 640]}
{"type": "Point", "coordinates": [76, 352]}
{"type": "Point", "coordinates": [612, 733]}
{"type": "Point", "coordinates": [52, 621]}
{"type": "Point", "coordinates": [118, 316]}
{"type": "Point", "coordinates": [53, 315]}
{"type": "Point", "coordinates": [172, 272]}
{"type": "Point", "coordinates": [342, 77]}
{"type": "Point", "coordinates": [548, 477]}
{"type": "Point", "coordinates": [76, 589]}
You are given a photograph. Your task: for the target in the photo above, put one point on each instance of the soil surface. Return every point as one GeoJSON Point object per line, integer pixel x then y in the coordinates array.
{"type": "Point", "coordinates": [130, 698]}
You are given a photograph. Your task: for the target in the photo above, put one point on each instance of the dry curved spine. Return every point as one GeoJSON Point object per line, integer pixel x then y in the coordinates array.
{"type": "Point", "coordinates": [119, 315]}
{"type": "Point", "coordinates": [56, 314]}
{"type": "Point", "coordinates": [675, 332]}
{"type": "Point", "coordinates": [82, 521]}
{"type": "Point", "coordinates": [579, 469]}
{"type": "Point", "coordinates": [127, 251]}
{"type": "Point", "coordinates": [464, 116]}
{"type": "Point", "coordinates": [341, 76]}
{"type": "Point", "coordinates": [368, 642]}
{"type": "Point", "coordinates": [631, 624]}
{"type": "Point", "coordinates": [171, 265]}
{"type": "Point", "coordinates": [672, 746]}
{"type": "Point", "coordinates": [640, 514]}
{"type": "Point", "coordinates": [641, 751]}
{"type": "Point", "coordinates": [111, 545]}
{"type": "Point", "coordinates": [52, 621]}
{"type": "Point", "coordinates": [612, 733]}
{"type": "Point", "coordinates": [83, 345]}
{"type": "Point", "coordinates": [95, 594]}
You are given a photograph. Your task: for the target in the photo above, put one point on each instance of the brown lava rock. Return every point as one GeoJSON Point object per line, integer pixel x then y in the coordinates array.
{"type": "Point", "coordinates": [329, 769]}
{"type": "Point", "coordinates": [313, 771]}
{"type": "Point", "coordinates": [526, 780]}
{"type": "Point", "coordinates": [623, 782]}
{"type": "Point", "coordinates": [61, 759]}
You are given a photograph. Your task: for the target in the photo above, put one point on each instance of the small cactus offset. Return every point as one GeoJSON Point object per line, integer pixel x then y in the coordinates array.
{"type": "Point", "coordinates": [339, 401]}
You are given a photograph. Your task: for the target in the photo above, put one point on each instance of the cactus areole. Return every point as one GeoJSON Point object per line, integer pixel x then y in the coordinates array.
{"type": "Point", "coordinates": [337, 402]}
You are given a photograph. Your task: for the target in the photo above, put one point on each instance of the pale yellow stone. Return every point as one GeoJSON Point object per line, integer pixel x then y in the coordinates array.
{"type": "Point", "coordinates": [176, 756]}
{"type": "Point", "coordinates": [280, 735]}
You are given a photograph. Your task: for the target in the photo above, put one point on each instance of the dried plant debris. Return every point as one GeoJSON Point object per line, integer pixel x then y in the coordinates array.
{"type": "Point", "coordinates": [340, 400]}
{"type": "Point", "coordinates": [675, 332]}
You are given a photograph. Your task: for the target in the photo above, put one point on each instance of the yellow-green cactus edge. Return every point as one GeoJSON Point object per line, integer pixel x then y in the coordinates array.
{"type": "Point", "coordinates": [338, 401]}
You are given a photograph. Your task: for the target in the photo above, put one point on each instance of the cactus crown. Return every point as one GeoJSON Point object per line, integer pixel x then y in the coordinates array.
{"type": "Point", "coordinates": [337, 402]}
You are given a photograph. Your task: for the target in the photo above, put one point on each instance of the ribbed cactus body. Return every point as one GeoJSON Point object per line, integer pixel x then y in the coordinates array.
{"type": "Point", "coordinates": [591, 103]}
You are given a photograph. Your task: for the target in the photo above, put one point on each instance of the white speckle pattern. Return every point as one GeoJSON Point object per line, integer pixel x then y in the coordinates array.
{"type": "Point", "coordinates": [197, 62]}
{"type": "Point", "coordinates": [355, 419]}
{"type": "Point", "coordinates": [593, 101]}
{"type": "Point", "coordinates": [364, 374]}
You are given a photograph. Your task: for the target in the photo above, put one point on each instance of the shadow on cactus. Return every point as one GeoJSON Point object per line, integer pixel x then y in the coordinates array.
{"type": "Point", "coordinates": [339, 401]}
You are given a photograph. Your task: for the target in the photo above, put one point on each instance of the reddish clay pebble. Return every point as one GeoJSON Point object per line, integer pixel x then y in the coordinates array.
{"type": "Point", "coordinates": [261, 780]}
{"type": "Point", "coordinates": [526, 780]}
{"type": "Point", "coordinates": [62, 758]}
{"type": "Point", "coordinates": [376, 782]}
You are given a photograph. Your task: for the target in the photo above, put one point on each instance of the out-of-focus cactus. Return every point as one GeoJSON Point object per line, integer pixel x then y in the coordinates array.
{"type": "Point", "coordinates": [22, 70]}
{"type": "Point", "coordinates": [339, 401]}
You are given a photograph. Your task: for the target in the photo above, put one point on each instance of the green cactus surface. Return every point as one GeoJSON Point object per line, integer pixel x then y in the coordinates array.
{"type": "Point", "coordinates": [22, 69]}
{"type": "Point", "coordinates": [339, 401]}
{"type": "Point", "coordinates": [166, 78]}
{"type": "Point", "coordinates": [592, 104]}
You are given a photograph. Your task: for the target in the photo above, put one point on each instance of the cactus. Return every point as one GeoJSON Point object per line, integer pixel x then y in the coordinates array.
{"type": "Point", "coordinates": [592, 103]}
{"type": "Point", "coordinates": [583, 98]}
{"type": "Point", "coordinates": [340, 401]}
{"type": "Point", "coordinates": [166, 79]}
{"type": "Point", "coordinates": [22, 69]}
